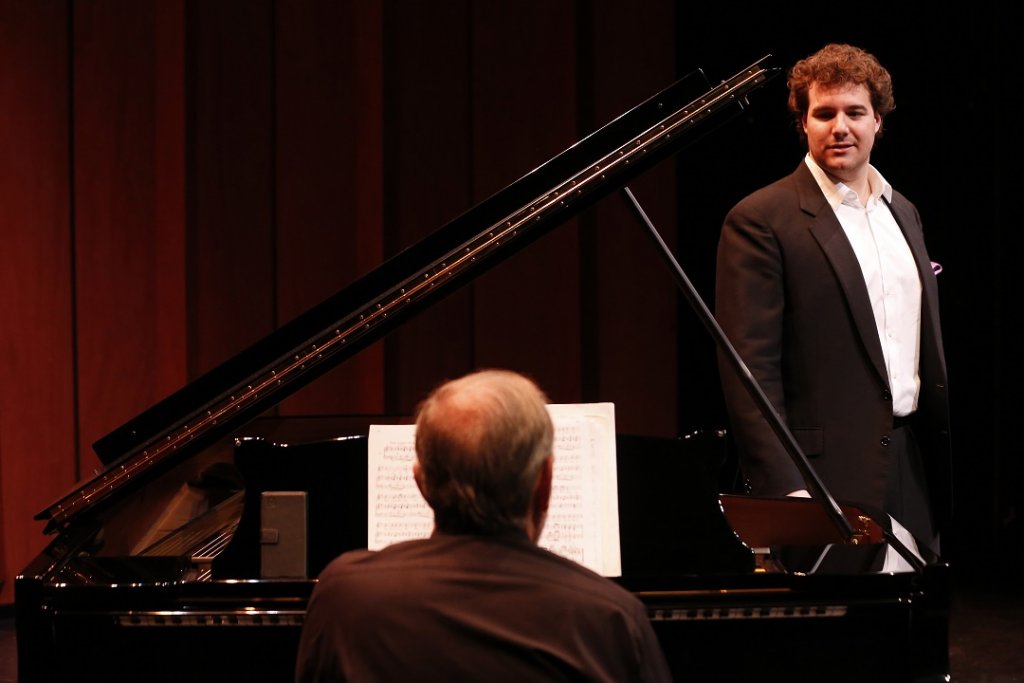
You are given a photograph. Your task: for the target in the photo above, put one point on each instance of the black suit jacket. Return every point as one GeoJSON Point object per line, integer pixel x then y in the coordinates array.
{"type": "Point", "coordinates": [791, 297]}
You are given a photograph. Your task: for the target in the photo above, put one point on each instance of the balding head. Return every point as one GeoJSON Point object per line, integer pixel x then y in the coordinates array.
{"type": "Point", "coordinates": [483, 443]}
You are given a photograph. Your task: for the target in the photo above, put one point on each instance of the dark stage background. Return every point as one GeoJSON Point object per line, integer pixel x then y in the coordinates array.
{"type": "Point", "coordinates": [181, 177]}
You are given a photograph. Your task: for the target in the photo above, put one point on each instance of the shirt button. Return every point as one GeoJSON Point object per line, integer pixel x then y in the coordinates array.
{"type": "Point", "coordinates": [886, 441]}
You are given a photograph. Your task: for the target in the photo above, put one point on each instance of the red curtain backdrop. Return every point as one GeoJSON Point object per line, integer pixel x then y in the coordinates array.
{"type": "Point", "coordinates": [38, 406]}
{"type": "Point", "coordinates": [180, 178]}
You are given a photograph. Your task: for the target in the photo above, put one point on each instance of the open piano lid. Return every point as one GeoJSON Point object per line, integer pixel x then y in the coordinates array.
{"type": "Point", "coordinates": [319, 339]}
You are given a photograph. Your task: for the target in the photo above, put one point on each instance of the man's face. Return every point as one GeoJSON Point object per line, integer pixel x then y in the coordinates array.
{"type": "Point", "coordinates": [840, 125]}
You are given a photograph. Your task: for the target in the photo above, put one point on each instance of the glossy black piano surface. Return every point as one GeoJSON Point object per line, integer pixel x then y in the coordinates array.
{"type": "Point", "coordinates": [154, 570]}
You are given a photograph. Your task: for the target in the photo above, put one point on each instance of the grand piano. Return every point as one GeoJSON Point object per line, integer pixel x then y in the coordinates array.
{"type": "Point", "coordinates": [174, 564]}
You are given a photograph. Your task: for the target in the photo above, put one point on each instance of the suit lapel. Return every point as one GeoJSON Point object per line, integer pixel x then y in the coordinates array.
{"type": "Point", "coordinates": [825, 228]}
{"type": "Point", "coordinates": [910, 226]}
{"type": "Point", "coordinates": [915, 239]}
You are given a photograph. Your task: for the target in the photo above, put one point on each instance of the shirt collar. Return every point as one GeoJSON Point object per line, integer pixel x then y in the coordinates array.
{"type": "Point", "coordinates": [837, 193]}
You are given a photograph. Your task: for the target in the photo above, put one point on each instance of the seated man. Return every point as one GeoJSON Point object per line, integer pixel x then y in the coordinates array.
{"type": "Point", "coordinates": [478, 600]}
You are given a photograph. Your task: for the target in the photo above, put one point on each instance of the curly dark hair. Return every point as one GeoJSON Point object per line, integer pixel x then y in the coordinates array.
{"type": "Point", "coordinates": [839, 64]}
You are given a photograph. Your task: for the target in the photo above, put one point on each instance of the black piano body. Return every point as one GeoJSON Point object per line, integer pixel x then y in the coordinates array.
{"type": "Point", "coordinates": [163, 613]}
{"type": "Point", "coordinates": [155, 570]}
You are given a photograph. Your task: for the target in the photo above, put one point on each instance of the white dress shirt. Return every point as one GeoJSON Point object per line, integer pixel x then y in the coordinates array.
{"type": "Point", "coordinates": [889, 273]}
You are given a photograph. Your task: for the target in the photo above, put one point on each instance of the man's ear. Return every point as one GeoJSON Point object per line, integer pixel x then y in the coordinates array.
{"type": "Point", "coordinates": [417, 475]}
{"type": "Point", "coordinates": [541, 499]}
{"type": "Point", "coordinates": [542, 490]}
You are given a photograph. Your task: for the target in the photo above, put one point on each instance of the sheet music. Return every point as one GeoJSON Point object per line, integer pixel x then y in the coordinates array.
{"type": "Point", "coordinates": [583, 517]}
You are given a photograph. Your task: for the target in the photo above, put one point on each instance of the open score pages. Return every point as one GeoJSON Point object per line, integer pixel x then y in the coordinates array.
{"type": "Point", "coordinates": [583, 518]}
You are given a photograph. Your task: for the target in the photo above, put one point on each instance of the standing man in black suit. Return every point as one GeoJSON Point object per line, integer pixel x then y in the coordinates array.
{"type": "Point", "coordinates": [827, 292]}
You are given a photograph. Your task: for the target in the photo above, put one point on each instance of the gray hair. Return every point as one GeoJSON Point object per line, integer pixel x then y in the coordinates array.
{"type": "Point", "coordinates": [481, 441]}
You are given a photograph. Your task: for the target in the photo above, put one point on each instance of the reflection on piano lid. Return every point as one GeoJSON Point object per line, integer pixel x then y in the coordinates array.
{"type": "Point", "coordinates": [154, 565]}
